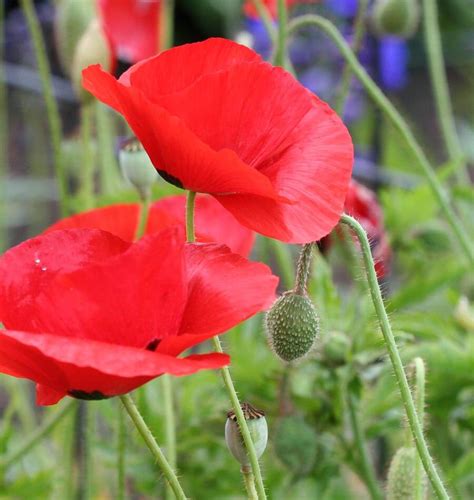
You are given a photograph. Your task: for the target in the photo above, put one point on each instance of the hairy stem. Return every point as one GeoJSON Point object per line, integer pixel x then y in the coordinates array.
{"type": "Point", "coordinates": [420, 409]}
{"type": "Point", "coordinates": [229, 384]}
{"type": "Point", "coordinates": [439, 84]}
{"type": "Point", "coordinates": [303, 268]}
{"type": "Point", "coordinates": [359, 440]}
{"type": "Point", "coordinates": [41, 432]}
{"type": "Point", "coordinates": [249, 482]}
{"type": "Point", "coordinates": [52, 111]}
{"type": "Point", "coordinates": [152, 445]}
{"type": "Point", "coordinates": [395, 359]}
{"type": "Point", "coordinates": [397, 120]}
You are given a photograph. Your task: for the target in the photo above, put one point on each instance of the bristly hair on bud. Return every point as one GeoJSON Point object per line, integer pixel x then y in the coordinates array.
{"type": "Point", "coordinates": [401, 475]}
{"type": "Point", "coordinates": [292, 323]}
{"type": "Point", "coordinates": [258, 428]}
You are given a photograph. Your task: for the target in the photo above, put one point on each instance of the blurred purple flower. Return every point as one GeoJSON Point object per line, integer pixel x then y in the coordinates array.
{"type": "Point", "coordinates": [393, 58]}
{"type": "Point", "coordinates": [343, 8]}
{"type": "Point", "coordinates": [262, 43]}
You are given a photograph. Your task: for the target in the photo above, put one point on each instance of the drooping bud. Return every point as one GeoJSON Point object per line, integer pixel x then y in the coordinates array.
{"type": "Point", "coordinates": [292, 326]}
{"type": "Point", "coordinates": [396, 17]}
{"type": "Point", "coordinates": [92, 48]}
{"type": "Point", "coordinates": [296, 444]}
{"type": "Point", "coordinates": [401, 475]}
{"type": "Point", "coordinates": [258, 429]}
{"type": "Point", "coordinates": [71, 21]}
{"type": "Point", "coordinates": [137, 167]}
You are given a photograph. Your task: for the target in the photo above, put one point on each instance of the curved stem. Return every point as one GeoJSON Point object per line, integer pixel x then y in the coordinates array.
{"type": "Point", "coordinates": [191, 196]}
{"type": "Point", "coordinates": [280, 50]}
{"type": "Point", "coordinates": [52, 112]}
{"type": "Point", "coordinates": [266, 18]}
{"type": "Point", "coordinates": [359, 31]}
{"type": "Point", "coordinates": [170, 433]}
{"type": "Point", "coordinates": [42, 431]}
{"type": "Point", "coordinates": [86, 179]}
{"type": "Point", "coordinates": [420, 409]}
{"type": "Point", "coordinates": [121, 444]}
{"type": "Point", "coordinates": [302, 271]}
{"type": "Point", "coordinates": [439, 84]}
{"type": "Point", "coordinates": [395, 359]}
{"type": "Point", "coordinates": [229, 384]}
{"type": "Point", "coordinates": [150, 441]}
{"type": "Point", "coordinates": [249, 482]}
{"type": "Point", "coordinates": [226, 373]}
{"type": "Point", "coordinates": [397, 120]}
{"type": "Point", "coordinates": [365, 462]}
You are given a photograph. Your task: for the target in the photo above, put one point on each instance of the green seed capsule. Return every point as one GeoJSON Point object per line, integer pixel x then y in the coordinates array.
{"type": "Point", "coordinates": [136, 166]}
{"type": "Point", "coordinates": [401, 475]}
{"type": "Point", "coordinates": [258, 429]}
{"type": "Point", "coordinates": [296, 444]}
{"type": "Point", "coordinates": [396, 17]}
{"type": "Point", "coordinates": [292, 326]}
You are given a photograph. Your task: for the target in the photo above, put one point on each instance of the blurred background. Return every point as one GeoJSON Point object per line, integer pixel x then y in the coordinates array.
{"type": "Point", "coordinates": [428, 288]}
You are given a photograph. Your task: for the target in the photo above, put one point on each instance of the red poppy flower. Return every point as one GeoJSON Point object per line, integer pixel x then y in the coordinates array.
{"type": "Point", "coordinates": [212, 222]}
{"type": "Point", "coordinates": [90, 315]}
{"type": "Point", "coordinates": [132, 27]}
{"type": "Point", "coordinates": [272, 6]}
{"type": "Point", "coordinates": [215, 118]}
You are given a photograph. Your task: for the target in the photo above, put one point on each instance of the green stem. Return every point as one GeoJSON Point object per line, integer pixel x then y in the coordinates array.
{"type": "Point", "coordinates": [395, 359]}
{"type": "Point", "coordinates": [229, 384]}
{"type": "Point", "coordinates": [150, 441]}
{"type": "Point", "coordinates": [280, 52]}
{"type": "Point", "coordinates": [190, 236]}
{"type": "Point", "coordinates": [108, 168]}
{"type": "Point", "coordinates": [170, 432]}
{"type": "Point", "coordinates": [249, 482]}
{"type": "Point", "coordinates": [121, 444]}
{"type": "Point", "coordinates": [266, 18]}
{"type": "Point", "coordinates": [167, 25]}
{"type": "Point", "coordinates": [303, 268]}
{"type": "Point", "coordinates": [365, 462]}
{"type": "Point", "coordinates": [81, 450]}
{"type": "Point", "coordinates": [42, 431]}
{"type": "Point", "coordinates": [439, 84]}
{"type": "Point", "coordinates": [226, 373]}
{"type": "Point", "coordinates": [3, 136]}
{"type": "Point", "coordinates": [144, 212]}
{"type": "Point", "coordinates": [52, 111]}
{"type": "Point", "coordinates": [395, 117]}
{"type": "Point", "coordinates": [359, 31]}
{"type": "Point", "coordinates": [420, 409]}
{"type": "Point", "coordinates": [86, 178]}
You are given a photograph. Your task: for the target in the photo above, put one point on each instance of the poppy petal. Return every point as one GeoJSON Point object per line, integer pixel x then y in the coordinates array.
{"type": "Point", "coordinates": [313, 169]}
{"type": "Point", "coordinates": [175, 151]}
{"type": "Point", "coordinates": [28, 269]}
{"type": "Point", "coordinates": [90, 369]}
{"type": "Point", "coordinates": [224, 289]}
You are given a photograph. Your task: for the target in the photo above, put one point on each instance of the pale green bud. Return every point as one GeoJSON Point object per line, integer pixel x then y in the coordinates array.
{"type": "Point", "coordinates": [396, 17]}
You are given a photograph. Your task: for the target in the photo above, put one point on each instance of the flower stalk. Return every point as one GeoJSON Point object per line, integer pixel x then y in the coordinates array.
{"type": "Point", "coordinates": [52, 111]}
{"type": "Point", "coordinates": [229, 384]}
{"type": "Point", "coordinates": [249, 481]}
{"type": "Point", "coordinates": [420, 409]}
{"type": "Point", "coordinates": [152, 445]}
{"type": "Point", "coordinates": [303, 269]}
{"type": "Point", "coordinates": [396, 119]}
{"type": "Point", "coordinates": [439, 84]}
{"type": "Point", "coordinates": [395, 359]}
{"type": "Point", "coordinates": [280, 50]}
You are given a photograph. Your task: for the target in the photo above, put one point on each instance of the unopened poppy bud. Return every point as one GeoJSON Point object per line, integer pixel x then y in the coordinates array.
{"type": "Point", "coordinates": [292, 326]}
{"type": "Point", "coordinates": [136, 166]}
{"type": "Point", "coordinates": [70, 23]}
{"type": "Point", "coordinates": [396, 17]}
{"type": "Point", "coordinates": [296, 444]}
{"type": "Point", "coordinates": [257, 425]}
{"type": "Point", "coordinates": [92, 48]}
{"type": "Point", "coordinates": [401, 475]}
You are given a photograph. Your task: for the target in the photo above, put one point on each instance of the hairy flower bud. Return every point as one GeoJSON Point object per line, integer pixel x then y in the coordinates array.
{"type": "Point", "coordinates": [92, 48]}
{"type": "Point", "coordinates": [136, 166]}
{"type": "Point", "coordinates": [292, 326]}
{"type": "Point", "coordinates": [296, 444]}
{"type": "Point", "coordinates": [401, 475]}
{"type": "Point", "coordinates": [258, 429]}
{"type": "Point", "coordinates": [396, 17]}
